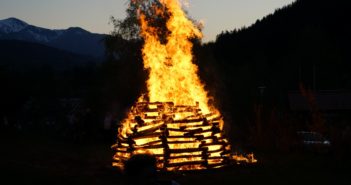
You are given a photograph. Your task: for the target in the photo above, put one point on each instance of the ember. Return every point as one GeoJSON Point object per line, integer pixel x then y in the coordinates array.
{"type": "Point", "coordinates": [182, 134]}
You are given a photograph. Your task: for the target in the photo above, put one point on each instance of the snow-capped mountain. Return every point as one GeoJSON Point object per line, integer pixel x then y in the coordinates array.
{"type": "Point", "coordinates": [74, 39]}
{"type": "Point", "coordinates": [11, 25]}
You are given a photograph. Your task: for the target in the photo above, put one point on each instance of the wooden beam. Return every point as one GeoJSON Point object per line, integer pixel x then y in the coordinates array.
{"type": "Point", "coordinates": [202, 162]}
{"type": "Point", "coordinates": [186, 150]}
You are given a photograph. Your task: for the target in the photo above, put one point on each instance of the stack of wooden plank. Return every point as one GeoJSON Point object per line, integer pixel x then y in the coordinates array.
{"type": "Point", "coordinates": [181, 137]}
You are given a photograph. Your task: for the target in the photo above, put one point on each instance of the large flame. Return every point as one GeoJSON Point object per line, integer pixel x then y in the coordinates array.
{"type": "Point", "coordinates": [173, 76]}
{"type": "Point", "coordinates": [176, 123]}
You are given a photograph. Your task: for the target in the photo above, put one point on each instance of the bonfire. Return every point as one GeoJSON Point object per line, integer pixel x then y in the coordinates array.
{"type": "Point", "coordinates": [174, 120]}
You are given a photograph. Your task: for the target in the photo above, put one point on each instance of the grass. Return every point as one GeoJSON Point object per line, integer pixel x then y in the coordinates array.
{"type": "Point", "coordinates": [28, 159]}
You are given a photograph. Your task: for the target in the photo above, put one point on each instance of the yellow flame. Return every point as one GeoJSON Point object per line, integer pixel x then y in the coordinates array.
{"type": "Point", "coordinates": [173, 76]}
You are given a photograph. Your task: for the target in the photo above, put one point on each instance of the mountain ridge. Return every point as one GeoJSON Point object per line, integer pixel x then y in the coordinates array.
{"type": "Point", "coordinates": [26, 56]}
{"type": "Point", "coordinates": [73, 39]}
{"type": "Point", "coordinates": [305, 44]}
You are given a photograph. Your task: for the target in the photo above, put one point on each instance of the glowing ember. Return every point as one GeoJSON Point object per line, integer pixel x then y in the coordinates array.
{"type": "Point", "coordinates": [180, 128]}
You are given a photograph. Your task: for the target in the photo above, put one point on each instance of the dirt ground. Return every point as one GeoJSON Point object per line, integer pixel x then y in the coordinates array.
{"type": "Point", "coordinates": [39, 160]}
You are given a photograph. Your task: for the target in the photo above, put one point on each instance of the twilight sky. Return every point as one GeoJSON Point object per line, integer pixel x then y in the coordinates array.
{"type": "Point", "coordinates": [93, 15]}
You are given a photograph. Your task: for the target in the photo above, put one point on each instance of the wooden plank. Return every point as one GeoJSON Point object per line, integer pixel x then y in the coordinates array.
{"type": "Point", "coordinates": [151, 117]}
{"type": "Point", "coordinates": [121, 151]}
{"type": "Point", "coordinates": [218, 158]}
{"type": "Point", "coordinates": [215, 151]}
{"type": "Point", "coordinates": [177, 130]}
{"type": "Point", "coordinates": [186, 121]}
{"type": "Point", "coordinates": [153, 135]}
{"type": "Point", "coordinates": [120, 147]}
{"type": "Point", "coordinates": [220, 165]}
{"type": "Point", "coordinates": [182, 142]}
{"type": "Point", "coordinates": [151, 147]}
{"type": "Point", "coordinates": [214, 144]}
{"type": "Point", "coordinates": [148, 131]}
{"type": "Point", "coordinates": [178, 137]}
{"type": "Point", "coordinates": [186, 150]}
{"type": "Point", "coordinates": [214, 138]}
{"type": "Point", "coordinates": [150, 143]}
{"type": "Point", "coordinates": [148, 110]}
{"type": "Point", "coordinates": [202, 162]}
{"type": "Point", "coordinates": [185, 156]}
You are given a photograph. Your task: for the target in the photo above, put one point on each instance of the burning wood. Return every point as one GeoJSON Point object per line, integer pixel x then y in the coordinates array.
{"type": "Point", "coordinates": [182, 136]}
{"type": "Point", "coordinates": [177, 144]}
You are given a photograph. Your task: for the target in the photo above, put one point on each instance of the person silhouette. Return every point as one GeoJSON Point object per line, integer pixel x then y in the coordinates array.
{"type": "Point", "coordinates": [141, 169]}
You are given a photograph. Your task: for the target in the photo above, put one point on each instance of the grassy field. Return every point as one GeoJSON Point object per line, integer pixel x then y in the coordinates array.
{"type": "Point", "coordinates": [39, 160]}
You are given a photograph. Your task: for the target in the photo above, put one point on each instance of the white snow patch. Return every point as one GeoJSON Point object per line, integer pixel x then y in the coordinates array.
{"type": "Point", "coordinates": [12, 25]}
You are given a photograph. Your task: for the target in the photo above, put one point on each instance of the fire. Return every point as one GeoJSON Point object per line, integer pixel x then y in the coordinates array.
{"type": "Point", "coordinates": [173, 76]}
{"type": "Point", "coordinates": [176, 124]}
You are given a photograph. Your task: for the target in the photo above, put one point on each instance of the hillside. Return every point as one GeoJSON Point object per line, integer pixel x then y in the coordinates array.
{"type": "Point", "coordinates": [74, 39]}
{"type": "Point", "coordinates": [35, 71]}
{"type": "Point", "coordinates": [306, 43]}
{"type": "Point", "coordinates": [287, 46]}
{"type": "Point", "coordinates": [20, 55]}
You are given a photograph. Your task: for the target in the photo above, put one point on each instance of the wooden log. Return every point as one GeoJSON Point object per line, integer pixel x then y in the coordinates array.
{"type": "Point", "coordinates": [200, 131]}
{"type": "Point", "coordinates": [181, 129]}
{"type": "Point", "coordinates": [146, 136]}
{"type": "Point", "coordinates": [195, 131]}
{"type": "Point", "coordinates": [186, 150]}
{"type": "Point", "coordinates": [204, 155]}
{"type": "Point", "coordinates": [155, 103]}
{"type": "Point", "coordinates": [122, 142]}
{"type": "Point", "coordinates": [151, 117]}
{"type": "Point", "coordinates": [148, 110]}
{"type": "Point", "coordinates": [186, 121]}
{"type": "Point", "coordinates": [179, 137]}
{"type": "Point", "coordinates": [202, 162]}
{"type": "Point", "coordinates": [122, 139]}
{"type": "Point", "coordinates": [208, 117]}
{"type": "Point", "coordinates": [179, 163]}
{"type": "Point", "coordinates": [215, 151]}
{"type": "Point", "coordinates": [185, 106]}
{"type": "Point", "coordinates": [213, 144]}
{"type": "Point", "coordinates": [225, 152]}
{"type": "Point", "coordinates": [120, 147]}
{"type": "Point", "coordinates": [196, 114]}
{"type": "Point", "coordinates": [121, 151]}
{"type": "Point", "coordinates": [220, 165]}
{"type": "Point", "coordinates": [214, 138]}
{"type": "Point", "coordinates": [220, 146]}
{"type": "Point", "coordinates": [151, 143]}
{"type": "Point", "coordinates": [188, 134]}
{"type": "Point", "coordinates": [148, 131]}
{"type": "Point", "coordinates": [150, 147]}
{"type": "Point", "coordinates": [183, 142]}
{"type": "Point", "coordinates": [194, 127]}
{"type": "Point", "coordinates": [185, 156]}
{"type": "Point", "coordinates": [216, 158]}
{"type": "Point", "coordinates": [119, 158]}
{"type": "Point", "coordinates": [177, 132]}
{"type": "Point", "coordinates": [114, 146]}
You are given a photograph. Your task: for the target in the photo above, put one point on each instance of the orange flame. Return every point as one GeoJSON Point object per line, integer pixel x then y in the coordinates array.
{"type": "Point", "coordinates": [176, 92]}
{"type": "Point", "coordinates": [173, 76]}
